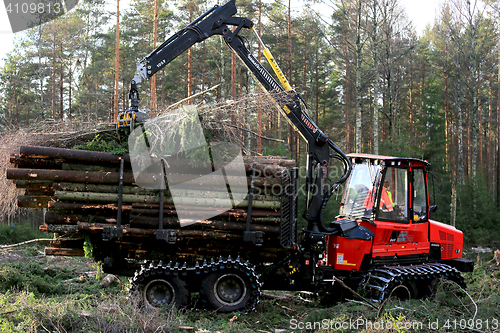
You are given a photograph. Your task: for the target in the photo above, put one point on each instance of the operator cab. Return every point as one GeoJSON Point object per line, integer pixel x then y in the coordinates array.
{"type": "Point", "coordinates": [384, 188]}
{"type": "Point", "coordinates": [388, 196]}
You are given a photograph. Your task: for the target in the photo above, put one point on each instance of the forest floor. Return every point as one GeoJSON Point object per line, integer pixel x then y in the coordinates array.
{"type": "Point", "coordinates": [64, 294]}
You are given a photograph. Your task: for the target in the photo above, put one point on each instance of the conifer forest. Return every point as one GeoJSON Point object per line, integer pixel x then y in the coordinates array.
{"type": "Point", "coordinates": [371, 81]}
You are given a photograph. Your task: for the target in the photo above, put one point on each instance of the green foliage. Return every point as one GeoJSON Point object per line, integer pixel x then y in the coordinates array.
{"type": "Point", "coordinates": [16, 233]}
{"type": "Point", "coordinates": [105, 143]}
{"type": "Point", "coordinates": [477, 215]}
{"type": "Point", "coordinates": [273, 149]}
{"type": "Point", "coordinates": [88, 248]}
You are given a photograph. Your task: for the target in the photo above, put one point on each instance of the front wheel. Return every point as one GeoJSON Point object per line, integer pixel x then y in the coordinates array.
{"type": "Point", "coordinates": [230, 290]}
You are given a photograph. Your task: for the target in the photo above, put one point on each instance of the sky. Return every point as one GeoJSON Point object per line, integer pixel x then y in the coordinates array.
{"type": "Point", "coordinates": [420, 12]}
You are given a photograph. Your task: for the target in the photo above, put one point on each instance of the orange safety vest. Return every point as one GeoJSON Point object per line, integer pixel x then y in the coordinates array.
{"type": "Point", "coordinates": [384, 200]}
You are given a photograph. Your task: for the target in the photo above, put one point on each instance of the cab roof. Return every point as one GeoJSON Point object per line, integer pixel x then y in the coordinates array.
{"type": "Point", "coordinates": [388, 158]}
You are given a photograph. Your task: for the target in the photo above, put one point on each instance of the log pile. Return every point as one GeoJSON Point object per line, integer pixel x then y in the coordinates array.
{"type": "Point", "coordinates": [80, 191]}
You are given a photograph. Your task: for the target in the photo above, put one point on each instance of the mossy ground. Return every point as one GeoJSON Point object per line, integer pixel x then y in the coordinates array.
{"type": "Point", "coordinates": [63, 294]}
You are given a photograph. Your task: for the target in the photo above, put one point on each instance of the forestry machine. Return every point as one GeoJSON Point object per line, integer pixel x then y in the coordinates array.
{"type": "Point", "coordinates": [384, 236]}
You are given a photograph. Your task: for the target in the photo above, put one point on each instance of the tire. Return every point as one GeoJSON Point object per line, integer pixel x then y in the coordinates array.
{"type": "Point", "coordinates": [227, 290]}
{"type": "Point", "coordinates": [157, 287]}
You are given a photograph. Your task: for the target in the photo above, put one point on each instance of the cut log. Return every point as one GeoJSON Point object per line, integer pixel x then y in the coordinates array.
{"type": "Point", "coordinates": [59, 229]}
{"type": "Point", "coordinates": [128, 177]}
{"type": "Point", "coordinates": [71, 155]}
{"type": "Point", "coordinates": [52, 217]}
{"type": "Point", "coordinates": [152, 222]}
{"type": "Point", "coordinates": [89, 167]}
{"type": "Point", "coordinates": [83, 187]}
{"type": "Point", "coordinates": [203, 234]}
{"type": "Point", "coordinates": [61, 205]}
{"type": "Point", "coordinates": [39, 192]}
{"type": "Point", "coordinates": [23, 183]}
{"type": "Point", "coordinates": [98, 228]}
{"type": "Point", "coordinates": [103, 197]}
{"type": "Point", "coordinates": [131, 198]}
{"type": "Point", "coordinates": [68, 243]}
{"type": "Point", "coordinates": [269, 160]}
{"type": "Point", "coordinates": [34, 163]}
{"type": "Point", "coordinates": [235, 212]}
{"type": "Point", "coordinates": [70, 176]}
{"type": "Point", "coordinates": [33, 201]}
{"type": "Point", "coordinates": [70, 252]}
{"type": "Point", "coordinates": [229, 215]}
{"type": "Point", "coordinates": [234, 226]}
{"type": "Point", "coordinates": [229, 251]}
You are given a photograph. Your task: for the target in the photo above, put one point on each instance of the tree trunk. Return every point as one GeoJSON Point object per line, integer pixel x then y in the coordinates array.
{"type": "Point", "coordinates": [347, 110]}
{"type": "Point", "coordinates": [448, 122]}
{"type": "Point", "coordinates": [359, 102]}
{"type": "Point", "coordinates": [53, 97]}
{"type": "Point", "coordinates": [117, 60]}
{"type": "Point", "coordinates": [61, 87]}
{"type": "Point", "coordinates": [154, 105]}
{"type": "Point", "coordinates": [498, 131]}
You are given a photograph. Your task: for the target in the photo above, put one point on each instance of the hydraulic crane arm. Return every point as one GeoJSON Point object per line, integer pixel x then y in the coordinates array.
{"type": "Point", "coordinates": [320, 148]}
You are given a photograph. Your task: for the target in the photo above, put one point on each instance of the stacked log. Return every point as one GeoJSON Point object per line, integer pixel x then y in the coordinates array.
{"type": "Point", "coordinates": [80, 191]}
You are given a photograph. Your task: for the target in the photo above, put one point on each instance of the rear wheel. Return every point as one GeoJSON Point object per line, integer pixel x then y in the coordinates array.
{"type": "Point", "coordinates": [157, 287]}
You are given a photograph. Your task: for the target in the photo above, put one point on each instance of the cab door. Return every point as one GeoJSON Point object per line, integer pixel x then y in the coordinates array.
{"type": "Point", "coordinates": [400, 233]}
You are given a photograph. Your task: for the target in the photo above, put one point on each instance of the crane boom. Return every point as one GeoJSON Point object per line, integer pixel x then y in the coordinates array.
{"type": "Point", "coordinates": [215, 22]}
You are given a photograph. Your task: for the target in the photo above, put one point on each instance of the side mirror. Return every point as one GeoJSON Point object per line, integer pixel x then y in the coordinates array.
{"type": "Point", "coordinates": [432, 210]}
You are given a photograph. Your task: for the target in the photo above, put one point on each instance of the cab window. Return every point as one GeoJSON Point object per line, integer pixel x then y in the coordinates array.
{"type": "Point", "coordinates": [419, 196]}
{"type": "Point", "coordinates": [392, 199]}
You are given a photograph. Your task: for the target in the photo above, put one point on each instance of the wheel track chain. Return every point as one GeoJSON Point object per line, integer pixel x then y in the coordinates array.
{"type": "Point", "coordinates": [204, 268]}
{"type": "Point", "coordinates": [379, 282]}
